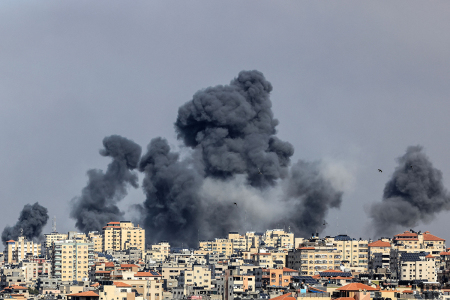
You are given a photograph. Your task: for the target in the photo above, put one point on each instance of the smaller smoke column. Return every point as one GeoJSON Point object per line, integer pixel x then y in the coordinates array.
{"type": "Point", "coordinates": [97, 204]}
{"type": "Point", "coordinates": [31, 220]}
{"type": "Point", "coordinates": [171, 209]}
{"type": "Point", "coordinates": [415, 193]}
{"type": "Point", "coordinates": [309, 196]}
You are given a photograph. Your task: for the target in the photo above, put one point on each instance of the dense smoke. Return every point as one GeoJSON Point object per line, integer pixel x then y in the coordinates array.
{"type": "Point", "coordinates": [310, 196]}
{"type": "Point", "coordinates": [31, 221]}
{"type": "Point", "coordinates": [234, 129]}
{"type": "Point", "coordinates": [231, 131]}
{"type": "Point", "coordinates": [414, 194]}
{"type": "Point", "coordinates": [97, 204]}
{"type": "Point", "coordinates": [171, 209]}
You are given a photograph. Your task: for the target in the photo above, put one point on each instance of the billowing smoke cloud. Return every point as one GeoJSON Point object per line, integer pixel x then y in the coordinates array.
{"type": "Point", "coordinates": [309, 195]}
{"type": "Point", "coordinates": [231, 131]}
{"type": "Point", "coordinates": [234, 129]}
{"type": "Point", "coordinates": [414, 194]}
{"type": "Point", "coordinates": [31, 221]}
{"type": "Point", "coordinates": [97, 204]}
{"type": "Point", "coordinates": [172, 208]}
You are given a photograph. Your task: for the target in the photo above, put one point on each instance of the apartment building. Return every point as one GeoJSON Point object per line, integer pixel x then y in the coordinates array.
{"type": "Point", "coordinates": [96, 238]}
{"type": "Point", "coordinates": [278, 238]}
{"type": "Point", "coordinates": [54, 236]}
{"type": "Point", "coordinates": [412, 241]}
{"type": "Point", "coordinates": [162, 249]}
{"type": "Point", "coordinates": [224, 246]}
{"type": "Point", "coordinates": [71, 260]}
{"type": "Point", "coordinates": [379, 254]}
{"type": "Point", "coordinates": [147, 284]}
{"type": "Point", "coordinates": [278, 277]}
{"type": "Point", "coordinates": [353, 251]}
{"type": "Point", "coordinates": [243, 284]}
{"type": "Point", "coordinates": [239, 242]}
{"type": "Point", "coordinates": [123, 235]}
{"type": "Point", "coordinates": [17, 251]}
{"type": "Point", "coordinates": [199, 276]}
{"type": "Point", "coordinates": [253, 240]}
{"type": "Point", "coordinates": [34, 268]}
{"type": "Point", "coordinates": [272, 259]}
{"type": "Point", "coordinates": [416, 266]}
{"type": "Point", "coordinates": [312, 260]}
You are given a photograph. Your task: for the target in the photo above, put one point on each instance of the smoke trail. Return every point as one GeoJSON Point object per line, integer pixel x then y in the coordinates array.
{"type": "Point", "coordinates": [415, 193]}
{"type": "Point", "coordinates": [309, 195]}
{"type": "Point", "coordinates": [97, 204]}
{"type": "Point", "coordinates": [31, 220]}
{"type": "Point", "coordinates": [172, 208]}
{"type": "Point", "coordinates": [234, 129]}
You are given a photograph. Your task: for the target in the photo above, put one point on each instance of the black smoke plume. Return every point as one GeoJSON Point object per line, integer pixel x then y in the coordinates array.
{"type": "Point", "coordinates": [97, 204]}
{"type": "Point", "coordinates": [31, 221]}
{"type": "Point", "coordinates": [233, 127]}
{"type": "Point", "coordinates": [172, 209]}
{"type": "Point", "coordinates": [309, 196]}
{"type": "Point", "coordinates": [414, 194]}
{"type": "Point", "coordinates": [231, 131]}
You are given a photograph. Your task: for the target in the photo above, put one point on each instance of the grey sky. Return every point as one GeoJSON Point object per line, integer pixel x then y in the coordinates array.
{"type": "Point", "coordinates": [354, 82]}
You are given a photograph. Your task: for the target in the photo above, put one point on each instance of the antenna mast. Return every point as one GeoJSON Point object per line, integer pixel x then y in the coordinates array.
{"type": "Point", "coordinates": [54, 224]}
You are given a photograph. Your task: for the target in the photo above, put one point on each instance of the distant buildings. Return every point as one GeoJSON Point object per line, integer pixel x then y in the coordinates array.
{"type": "Point", "coordinates": [114, 264]}
{"type": "Point", "coordinates": [123, 235]}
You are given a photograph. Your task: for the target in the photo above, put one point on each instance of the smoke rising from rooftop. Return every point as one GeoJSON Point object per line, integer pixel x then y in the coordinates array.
{"type": "Point", "coordinates": [97, 204]}
{"type": "Point", "coordinates": [172, 208]}
{"type": "Point", "coordinates": [231, 130]}
{"type": "Point", "coordinates": [414, 194]}
{"type": "Point", "coordinates": [32, 220]}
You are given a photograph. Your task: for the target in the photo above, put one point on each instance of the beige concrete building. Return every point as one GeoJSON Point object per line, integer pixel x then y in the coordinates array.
{"type": "Point", "coordinates": [54, 236]}
{"type": "Point", "coordinates": [253, 240]}
{"type": "Point", "coordinates": [278, 238]}
{"type": "Point", "coordinates": [123, 235]}
{"type": "Point", "coordinates": [71, 260]}
{"type": "Point", "coordinates": [312, 260]}
{"type": "Point", "coordinates": [119, 290]}
{"type": "Point", "coordinates": [223, 246]}
{"type": "Point", "coordinates": [96, 238]}
{"type": "Point", "coordinates": [355, 252]}
{"type": "Point", "coordinates": [269, 259]}
{"type": "Point", "coordinates": [162, 250]}
{"type": "Point", "coordinates": [417, 241]}
{"type": "Point", "coordinates": [34, 268]}
{"type": "Point", "coordinates": [146, 284]}
{"type": "Point", "coordinates": [417, 266]}
{"type": "Point", "coordinates": [18, 250]}
{"type": "Point", "coordinates": [239, 242]}
{"type": "Point", "coordinates": [198, 276]}
{"type": "Point", "coordinates": [379, 253]}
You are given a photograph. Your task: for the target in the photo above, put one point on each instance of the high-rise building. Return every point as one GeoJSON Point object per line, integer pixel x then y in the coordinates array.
{"type": "Point", "coordinates": [353, 251]}
{"type": "Point", "coordinates": [96, 238]}
{"type": "Point", "coordinates": [71, 260]}
{"type": "Point", "coordinates": [123, 235]}
{"type": "Point", "coordinates": [54, 236]}
{"type": "Point", "coordinates": [20, 249]}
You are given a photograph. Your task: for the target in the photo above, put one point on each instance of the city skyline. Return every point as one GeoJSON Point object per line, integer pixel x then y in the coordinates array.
{"type": "Point", "coordinates": [353, 97]}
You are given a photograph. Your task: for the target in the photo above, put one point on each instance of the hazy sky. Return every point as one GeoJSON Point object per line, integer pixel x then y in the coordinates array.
{"type": "Point", "coordinates": [354, 82]}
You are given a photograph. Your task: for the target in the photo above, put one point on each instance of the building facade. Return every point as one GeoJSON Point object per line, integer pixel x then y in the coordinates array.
{"type": "Point", "coordinates": [123, 235]}
{"type": "Point", "coordinates": [71, 260]}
